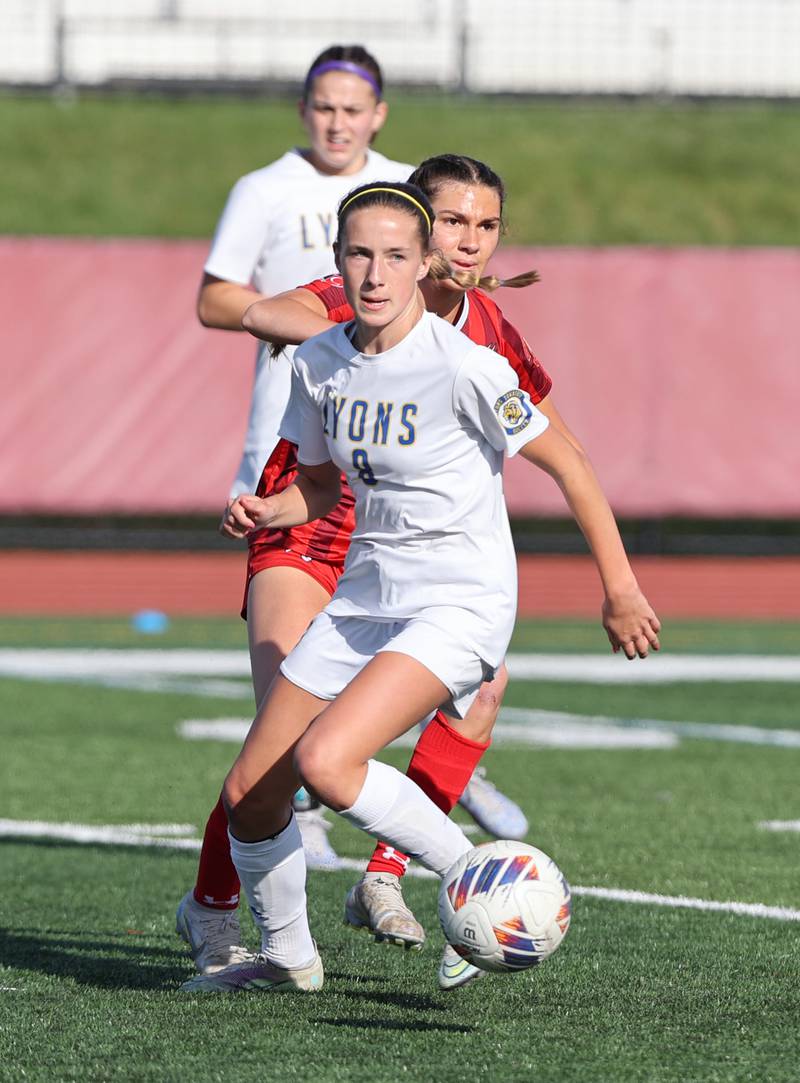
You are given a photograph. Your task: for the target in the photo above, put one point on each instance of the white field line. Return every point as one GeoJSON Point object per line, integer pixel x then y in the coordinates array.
{"type": "Point", "coordinates": [780, 825]}
{"type": "Point", "coordinates": [753, 910]}
{"type": "Point", "coordinates": [552, 721]}
{"type": "Point", "coordinates": [99, 834]}
{"type": "Point", "coordinates": [554, 729]}
{"type": "Point", "coordinates": [657, 669]}
{"type": "Point", "coordinates": [214, 729]}
{"type": "Point", "coordinates": [72, 664]}
{"type": "Point", "coordinates": [174, 830]}
{"type": "Point", "coordinates": [208, 688]}
{"type": "Point", "coordinates": [124, 836]}
{"type": "Point", "coordinates": [572, 732]}
{"type": "Point", "coordinates": [83, 662]}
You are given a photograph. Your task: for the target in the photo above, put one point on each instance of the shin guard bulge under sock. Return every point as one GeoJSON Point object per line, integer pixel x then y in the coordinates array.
{"type": "Point", "coordinates": [441, 765]}
{"type": "Point", "coordinates": [392, 807]}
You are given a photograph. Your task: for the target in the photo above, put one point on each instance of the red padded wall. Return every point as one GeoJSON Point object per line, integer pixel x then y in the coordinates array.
{"type": "Point", "coordinates": [677, 368]}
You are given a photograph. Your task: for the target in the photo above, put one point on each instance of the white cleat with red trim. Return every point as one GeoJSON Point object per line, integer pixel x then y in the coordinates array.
{"type": "Point", "coordinates": [376, 904]}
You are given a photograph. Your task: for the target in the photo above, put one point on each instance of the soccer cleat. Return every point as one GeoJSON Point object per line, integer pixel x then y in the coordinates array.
{"type": "Point", "coordinates": [455, 971]}
{"type": "Point", "coordinates": [376, 904]}
{"type": "Point", "coordinates": [491, 810]}
{"type": "Point", "coordinates": [213, 936]}
{"type": "Point", "coordinates": [259, 975]}
{"type": "Point", "coordinates": [314, 830]}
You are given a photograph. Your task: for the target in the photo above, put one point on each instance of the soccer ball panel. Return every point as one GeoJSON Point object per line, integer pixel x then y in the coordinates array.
{"type": "Point", "coordinates": [471, 928]}
{"type": "Point", "coordinates": [504, 906]}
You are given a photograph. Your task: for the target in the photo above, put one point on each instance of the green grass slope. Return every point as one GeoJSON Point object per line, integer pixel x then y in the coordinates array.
{"type": "Point", "coordinates": [577, 173]}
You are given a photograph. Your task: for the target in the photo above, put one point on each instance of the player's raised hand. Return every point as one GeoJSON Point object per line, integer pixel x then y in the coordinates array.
{"type": "Point", "coordinates": [631, 624]}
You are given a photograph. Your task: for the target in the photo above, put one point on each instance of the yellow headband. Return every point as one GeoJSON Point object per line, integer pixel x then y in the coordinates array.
{"type": "Point", "coordinates": [394, 191]}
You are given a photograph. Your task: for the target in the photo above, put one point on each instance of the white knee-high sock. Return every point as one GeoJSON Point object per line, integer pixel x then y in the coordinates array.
{"type": "Point", "coordinates": [392, 807]}
{"type": "Point", "coordinates": [273, 875]}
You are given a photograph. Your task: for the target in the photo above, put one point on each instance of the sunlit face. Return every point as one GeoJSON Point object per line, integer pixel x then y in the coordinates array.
{"type": "Point", "coordinates": [341, 115]}
{"type": "Point", "coordinates": [467, 227]}
{"type": "Point", "coordinates": [381, 260]}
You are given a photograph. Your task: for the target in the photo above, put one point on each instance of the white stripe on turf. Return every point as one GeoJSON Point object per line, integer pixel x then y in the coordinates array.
{"type": "Point", "coordinates": [657, 669]}
{"type": "Point", "coordinates": [122, 835]}
{"type": "Point", "coordinates": [215, 729]}
{"type": "Point", "coordinates": [554, 729]}
{"type": "Point", "coordinates": [753, 910]}
{"type": "Point", "coordinates": [552, 721]}
{"type": "Point", "coordinates": [780, 825]}
{"type": "Point", "coordinates": [42, 664]}
{"type": "Point", "coordinates": [103, 834]}
{"type": "Point", "coordinates": [572, 732]}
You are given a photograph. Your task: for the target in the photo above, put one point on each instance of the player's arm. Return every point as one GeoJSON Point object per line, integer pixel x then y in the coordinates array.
{"type": "Point", "coordinates": [222, 304]}
{"type": "Point", "coordinates": [547, 407]}
{"type": "Point", "coordinates": [288, 318]}
{"type": "Point", "coordinates": [315, 491]}
{"type": "Point", "coordinates": [630, 622]}
{"type": "Point", "coordinates": [240, 239]}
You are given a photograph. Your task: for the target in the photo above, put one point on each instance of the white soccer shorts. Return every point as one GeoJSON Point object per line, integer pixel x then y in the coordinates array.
{"type": "Point", "coordinates": [336, 648]}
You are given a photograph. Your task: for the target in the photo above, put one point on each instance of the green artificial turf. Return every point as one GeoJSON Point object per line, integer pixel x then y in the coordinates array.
{"type": "Point", "coordinates": [90, 966]}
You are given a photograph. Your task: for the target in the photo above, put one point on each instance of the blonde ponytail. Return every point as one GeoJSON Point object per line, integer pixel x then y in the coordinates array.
{"type": "Point", "coordinates": [441, 270]}
{"type": "Point", "coordinates": [527, 278]}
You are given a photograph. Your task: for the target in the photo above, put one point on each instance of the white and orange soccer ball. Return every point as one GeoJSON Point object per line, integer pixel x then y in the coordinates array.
{"type": "Point", "coordinates": [504, 906]}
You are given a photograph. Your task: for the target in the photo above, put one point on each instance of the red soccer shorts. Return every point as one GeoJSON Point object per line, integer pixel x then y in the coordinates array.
{"type": "Point", "coordinates": [260, 557]}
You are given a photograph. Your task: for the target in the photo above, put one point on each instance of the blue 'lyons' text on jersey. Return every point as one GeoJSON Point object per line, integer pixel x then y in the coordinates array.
{"type": "Point", "coordinates": [363, 422]}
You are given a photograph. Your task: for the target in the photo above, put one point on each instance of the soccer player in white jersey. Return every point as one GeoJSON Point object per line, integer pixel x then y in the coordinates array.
{"type": "Point", "coordinates": [277, 229]}
{"type": "Point", "coordinates": [468, 199]}
{"type": "Point", "coordinates": [275, 232]}
{"type": "Point", "coordinates": [418, 418]}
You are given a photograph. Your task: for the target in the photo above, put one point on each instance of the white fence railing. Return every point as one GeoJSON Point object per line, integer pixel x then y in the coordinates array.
{"type": "Point", "coordinates": [671, 47]}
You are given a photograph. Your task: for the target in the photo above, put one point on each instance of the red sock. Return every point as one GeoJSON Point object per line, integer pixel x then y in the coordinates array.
{"type": "Point", "coordinates": [217, 880]}
{"type": "Point", "coordinates": [442, 765]}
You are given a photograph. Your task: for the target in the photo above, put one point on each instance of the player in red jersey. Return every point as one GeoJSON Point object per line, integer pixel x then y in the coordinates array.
{"type": "Point", "coordinates": [468, 200]}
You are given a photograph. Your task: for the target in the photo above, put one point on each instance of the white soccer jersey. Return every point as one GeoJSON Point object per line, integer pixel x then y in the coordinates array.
{"type": "Point", "coordinates": [420, 432]}
{"type": "Point", "coordinates": [276, 233]}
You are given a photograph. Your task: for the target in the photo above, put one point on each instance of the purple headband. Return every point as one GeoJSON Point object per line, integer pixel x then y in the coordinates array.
{"type": "Point", "coordinates": [344, 65]}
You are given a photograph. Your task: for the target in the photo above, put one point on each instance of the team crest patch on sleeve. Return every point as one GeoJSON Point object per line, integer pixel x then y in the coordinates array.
{"type": "Point", "coordinates": [514, 410]}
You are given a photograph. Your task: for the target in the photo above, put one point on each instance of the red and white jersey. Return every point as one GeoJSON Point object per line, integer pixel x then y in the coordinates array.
{"type": "Point", "coordinates": [276, 230]}
{"type": "Point", "coordinates": [419, 431]}
{"type": "Point", "coordinates": [483, 322]}
{"type": "Point", "coordinates": [480, 319]}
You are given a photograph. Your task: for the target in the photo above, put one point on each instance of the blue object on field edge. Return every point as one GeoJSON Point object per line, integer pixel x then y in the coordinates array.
{"type": "Point", "coordinates": [151, 622]}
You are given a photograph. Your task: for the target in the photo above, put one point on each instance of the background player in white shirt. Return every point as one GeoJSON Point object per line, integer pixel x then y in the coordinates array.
{"type": "Point", "coordinates": [418, 418]}
{"type": "Point", "coordinates": [279, 222]}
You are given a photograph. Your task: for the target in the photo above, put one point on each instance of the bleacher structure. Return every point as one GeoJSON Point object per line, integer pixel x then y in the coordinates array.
{"type": "Point", "coordinates": [735, 48]}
